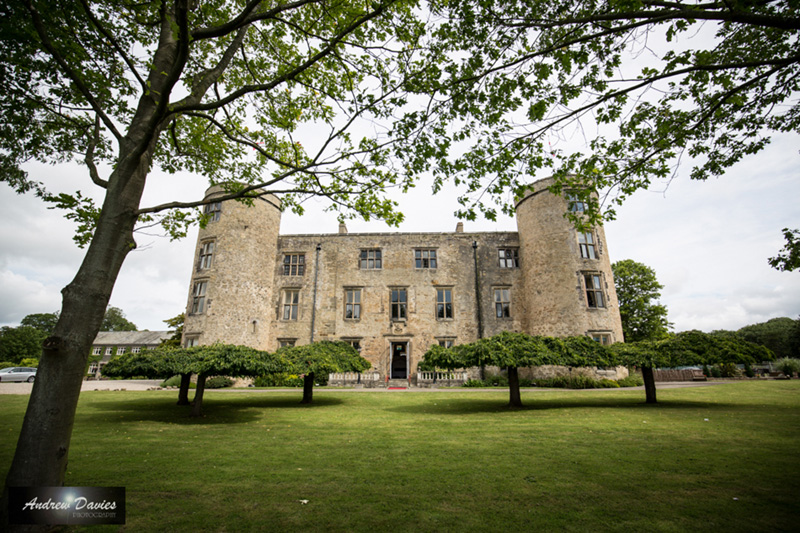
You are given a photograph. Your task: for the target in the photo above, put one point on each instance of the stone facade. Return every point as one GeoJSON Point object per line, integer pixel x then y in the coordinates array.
{"type": "Point", "coordinates": [394, 294]}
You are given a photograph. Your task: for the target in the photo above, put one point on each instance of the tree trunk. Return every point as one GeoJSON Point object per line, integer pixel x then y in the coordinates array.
{"type": "Point", "coordinates": [42, 449]}
{"type": "Point", "coordinates": [649, 384]}
{"type": "Point", "coordinates": [183, 392]}
{"type": "Point", "coordinates": [308, 388]}
{"type": "Point", "coordinates": [197, 404]}
{"type": "Point", "coordinates": [513, 387]}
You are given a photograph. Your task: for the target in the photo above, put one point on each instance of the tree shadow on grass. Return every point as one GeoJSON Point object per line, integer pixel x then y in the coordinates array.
{"type": "Point", "coordinates": [466, 406]}
{"type": "Point", "coordinates": [219, 409]}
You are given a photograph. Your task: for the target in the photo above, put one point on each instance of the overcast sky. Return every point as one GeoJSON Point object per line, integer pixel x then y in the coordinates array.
{"type": "Point", "coordinates": [707, 241]}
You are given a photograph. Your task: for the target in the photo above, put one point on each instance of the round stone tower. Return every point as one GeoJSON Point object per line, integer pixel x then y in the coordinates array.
{"type": "Point", "coordinates": [230, 294]}
{"type": "Point", "coordinates": [567, 279]}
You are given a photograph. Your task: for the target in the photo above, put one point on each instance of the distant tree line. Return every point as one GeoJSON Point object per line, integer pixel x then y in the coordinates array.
{"type": "Point", "coordinates": [25, 341]}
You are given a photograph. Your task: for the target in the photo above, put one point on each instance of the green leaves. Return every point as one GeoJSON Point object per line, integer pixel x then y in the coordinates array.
{"type": "Point", "coordinates": [516, 350]}
{"type": "Point", "coordinates": [323, 357]}
{"type": "Point", "coordinates": [524, 77]}
{"type": "Point", "coordinates": [638, 290]}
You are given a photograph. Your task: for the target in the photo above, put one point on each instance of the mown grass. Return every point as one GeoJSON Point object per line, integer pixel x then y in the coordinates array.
{"type": "Point", "coordinates": [720, 458]}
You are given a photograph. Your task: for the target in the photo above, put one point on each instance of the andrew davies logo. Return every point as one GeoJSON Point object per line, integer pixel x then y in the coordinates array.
{"type": "Point", "coordinates": [66, 505]}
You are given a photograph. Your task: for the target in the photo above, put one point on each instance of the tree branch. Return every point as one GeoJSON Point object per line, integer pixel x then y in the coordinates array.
{"type": "Point", "coordinates": [128, 61]}
{"type": "Point", "coordinates": [68, 70]}
{"type": "Point", "coordinates": [291, 74]}
{"type": "Point", "coordinates": [89, 159]}
{"type": "Point", "coordinates": [246, 17]}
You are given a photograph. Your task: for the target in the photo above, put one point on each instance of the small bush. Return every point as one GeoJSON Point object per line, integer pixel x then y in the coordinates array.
{"type": "Point", "coordinates": [715, 372]}
{"type": "Point", "coordinates": [748, 371]}
{"type": "Point", "coordinates": [6, 364]}
{"type": "Point", "coordinates": [474, 383]}
{"type": "Point", "coordinates": [496, 381]}
{"type": "Point", "coordinates": [728, 370]}
{"type": "Point", "coordinates": [706, 371]}
{"type": "Point", "coordinates": [279, 379]}
{"type": "Point", "coordinates": [633, 380]}
{"type": "Point", "coordinates": [219, 382]}
{"type": "Point", "coordinates": [526, 383]}
{"type": "Point", "coordinates": [175, 381]}
{"type": "Point", "coordinates": [30, 361]}
{"type": "Point", "coordinates": [788, 366]}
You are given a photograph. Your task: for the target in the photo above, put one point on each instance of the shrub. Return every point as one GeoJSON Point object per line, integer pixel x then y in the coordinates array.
{"type": "Point", "coordinates": [29, 361]}
{"type": "Point", "coordinates": [474, 383]}
{"type": "Point", "coordinates": [175, 381]}
{"type": "Point", "coordinates": [496, 381]}
{"type": "Point", "coordinates": [706, 371]}
{"type": "Point", "coordinates": [6, 364]}
{"type": "Point", "coordinates": [788, 366]}
{"type": "Point", "coordinates": [715, 372]}
{"type": "Point", "coordinates": [748, 371]}
{"type": "Point", "coordinates": [526, 383]}
{"type": "Point", "coordinates": [279, 379]}
{"type": "Point", "coordinates": [728, 370]}
{"type": "Point", "coordinates": [219, 382]}
{"type": "Point", "coordinates": [633, 380]}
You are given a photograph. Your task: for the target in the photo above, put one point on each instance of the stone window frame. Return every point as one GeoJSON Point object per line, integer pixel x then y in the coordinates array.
{"type": "Point", "coordinates": [286, 342]}
{"type": "Point", "coordinates": [594, 289]}
{"type": "Point", "coordinates": [575, 204]}
{"type": "Point", "coordinates": [587, 244]}
{"type": "Point", "coordinates": [199, 290]}
{"type": "Point", "coordinates": [290, 306]}
{"type": "Point", "coordinates": [191, 341]}
{"type": "Point", "coordinates": [398, 308]}
{"type": "Point", "coordinates": [355, 342]}
{"type": "Point", "coordinates": [502, 305]}
{"type": "Point", "coordinates": [426, 259]}
{"type": "Point", "coordinates": [350, 305]}
{"type": "Point", "coordinates": [508, 257]}
{"type": "Point", "coordinates": [441, 312]}
{"type": "Point", "coordinates": [370, 259]}
{"type": "Point", "coordinates": [206, 256]}
{"type": "Point", "coordinates": [604, 337]}
{"type": "Point", "coordinates": [294, 264]}
{"type": "Point", "coordinates": [213, 211]}
{"type": "Point", "coordinates": [446, 342]}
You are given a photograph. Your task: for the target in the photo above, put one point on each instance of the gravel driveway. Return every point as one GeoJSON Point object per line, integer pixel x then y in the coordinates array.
{"type": "Point", "coordinates": [122, 384]}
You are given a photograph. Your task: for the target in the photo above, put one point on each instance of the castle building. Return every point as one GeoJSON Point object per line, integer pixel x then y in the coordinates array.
{"type": "Point", "coordinates": [393, 295]}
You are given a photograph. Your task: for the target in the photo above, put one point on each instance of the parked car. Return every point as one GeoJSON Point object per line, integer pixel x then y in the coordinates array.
{"type": "Point", "coordinates": [18, 373]}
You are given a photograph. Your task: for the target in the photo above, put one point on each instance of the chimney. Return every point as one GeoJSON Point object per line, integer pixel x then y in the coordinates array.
{"type": "Point", "coordinates": [460, 227]}
{"type": "Point", "coordinates": [342, 228]}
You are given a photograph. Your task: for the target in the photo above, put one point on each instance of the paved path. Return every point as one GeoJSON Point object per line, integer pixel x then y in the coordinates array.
{"type": "Point", "coordinates": [149, 384]}
{"type": "Point", "coordinates": [122, 384]}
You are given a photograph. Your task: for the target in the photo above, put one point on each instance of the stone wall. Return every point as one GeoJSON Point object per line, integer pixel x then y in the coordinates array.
{"type": "Point", "coordinates": [239, 282]}
{"type": "Point", "coordinates": [247, 283]}
{"type": "Point", "coordinates": [553, 271]}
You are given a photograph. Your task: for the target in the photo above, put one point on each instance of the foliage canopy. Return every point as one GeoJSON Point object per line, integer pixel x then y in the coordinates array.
{"type": "Point", "coordinates": [638, 290]}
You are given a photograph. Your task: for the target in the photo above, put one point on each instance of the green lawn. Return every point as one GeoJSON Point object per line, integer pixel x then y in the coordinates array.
{"type": "Point", "coordinates": [718, 458]}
